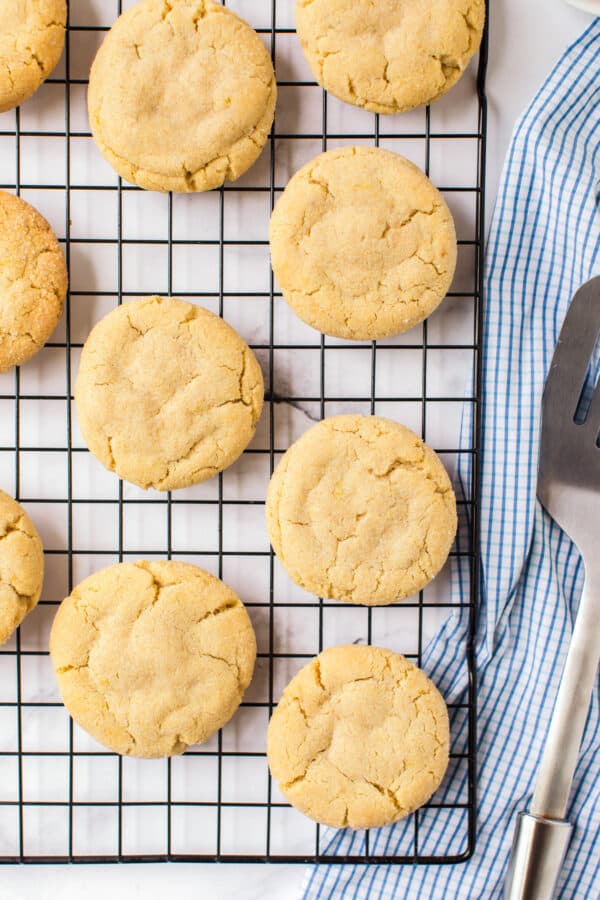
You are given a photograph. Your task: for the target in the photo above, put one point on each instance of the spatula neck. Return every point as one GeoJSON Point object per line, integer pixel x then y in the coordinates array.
{"type": "Point", "coordinates": [559, 760]}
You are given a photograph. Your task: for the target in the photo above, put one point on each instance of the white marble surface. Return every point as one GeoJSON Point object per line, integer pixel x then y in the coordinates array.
{"type": "Point", "coordinates": [527, 35]}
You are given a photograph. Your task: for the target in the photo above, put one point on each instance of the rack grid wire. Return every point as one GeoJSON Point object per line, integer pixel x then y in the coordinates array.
{"type": "Point", "coordinates": [64, 798]}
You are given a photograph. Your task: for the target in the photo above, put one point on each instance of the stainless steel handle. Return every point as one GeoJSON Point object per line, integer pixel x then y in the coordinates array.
{"type": "Point", "coordinates": [537, 856]}
{"type": "Point", "coordinates": [542, 836]}
{"type": "Point", "coordinates": [559, 759]}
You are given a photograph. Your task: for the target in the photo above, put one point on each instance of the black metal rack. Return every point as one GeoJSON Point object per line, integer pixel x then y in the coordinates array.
{"type": "Point", "coordinates": [216, 818]}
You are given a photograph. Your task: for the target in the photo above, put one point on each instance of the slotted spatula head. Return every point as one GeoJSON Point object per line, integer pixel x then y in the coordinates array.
{"type": "Point", "coordinates": [569, 468]}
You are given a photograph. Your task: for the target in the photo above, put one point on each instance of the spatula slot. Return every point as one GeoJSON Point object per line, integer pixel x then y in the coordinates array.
{"type": "Point", "coordinates": [589, 386]}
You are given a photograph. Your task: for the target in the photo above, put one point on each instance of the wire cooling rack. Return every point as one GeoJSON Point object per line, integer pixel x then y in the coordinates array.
{"type": "Point", "coordinates": [64, 798]}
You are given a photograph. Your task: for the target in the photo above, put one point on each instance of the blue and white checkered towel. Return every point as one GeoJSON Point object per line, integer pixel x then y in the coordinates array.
{"type": "Point", "coordinates": [544, 243]}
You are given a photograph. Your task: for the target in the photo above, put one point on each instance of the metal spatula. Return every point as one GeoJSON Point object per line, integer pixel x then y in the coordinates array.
{"type": "Point", "coordinates": [569, 488]}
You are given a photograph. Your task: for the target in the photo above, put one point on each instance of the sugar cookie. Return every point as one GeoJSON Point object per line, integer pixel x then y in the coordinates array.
{"type": "Point", "coordinates": [21, 565]}
{"type": "Point", "coordinates": [360, 738]}
{"type": "Point", "coordinates": [389, 56]}
{"type": "Point", "coordinates": [152, 656]}
{"type": "Point", "coordinates": [167, 393]}
{"type": "Point", "coordinates": [182, 95]}
{"type": "Point", "coordinates": [33, 281]}
{"type": "Point", "coordinates": [31, 42]}
{"type": "Point", "coordinates": [362, 244]}
{"type": "Point", "coordinates": [359, 509]}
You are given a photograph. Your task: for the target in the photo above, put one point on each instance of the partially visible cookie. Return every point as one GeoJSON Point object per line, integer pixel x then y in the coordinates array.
{"type": "Point", "coordinates": [21, 565]}
{"type": "Point", "coordinates": [33, 281]}
{"type": "Point", "coordinates": [389, 56]}
{"type": "Point", "coordinates": [167, 393]}
{"type": "Point", "coordinates": [360, 738]}
{"type": "Point", "coordinates": [152, 656]}
{"type": "Point", "coordinates": [182, 95]}
{"type": "Point", "coordinates": [362, 244]}
{"type": "Point", "coordinates": [32, 35]}
{"type": "Point", "coordinates": [359, 509]}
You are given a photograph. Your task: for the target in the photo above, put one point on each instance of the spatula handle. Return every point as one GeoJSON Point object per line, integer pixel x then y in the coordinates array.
{"type": "Point", "coordinates": [538, 852]}
{"type": "Point", "coordinates": [542, 836]}
{"type": "Point", "coordinates": [561, 751]}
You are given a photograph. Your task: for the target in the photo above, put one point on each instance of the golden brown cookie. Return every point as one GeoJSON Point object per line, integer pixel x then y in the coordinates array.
{"type": "Point", "coordinates": [152, 656]}
{"type": "Point", "coordinates": [359, 509]}
{"type": "Point", "coordinates": [21, 565]}
{"type": "Point", "coordinates": [362, 244]}
{"type": "Point", "coordinates": [182, 95]}
{"type": "Point", "coordinates": [360, 738]}
{"type": "Point", "coordinates": [389, 56]}
{"type": "Point", "coordinates": [167, 393]}
{"type": "Point", "coordinates": [33, 281]}
{"type": "Point", "coordinates": [32, 35]}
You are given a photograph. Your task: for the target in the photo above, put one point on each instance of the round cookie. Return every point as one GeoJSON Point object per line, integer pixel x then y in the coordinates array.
{"type": "Point", "coordinates": [360, 738]}
{"type": "Point", "coordinates": [33, 281]}
{"type": "Point", "coordinates": [21, 565]}
{"type": "Point", "coordinates": [31, 41]}
{"type": "Point", "coordinates": [167, 393]}
{"type": "Point", "coordinates": [362, 244]}
{"type": "Point", "coordinates": [181, 96]}
{"type": "Point", "coordinates": [389, 56]}
{"type": "Point", "coordinates": [359, 509]}
{"type": "Point", "coordinates": [151, 657]}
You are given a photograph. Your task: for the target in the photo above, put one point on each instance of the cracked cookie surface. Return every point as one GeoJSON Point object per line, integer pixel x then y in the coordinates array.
{"type": "Point", "coordinates": [33, 281]}
{"type": "Point", "coordinates": [360, 738]}
{"type": "Point", "coordinates": [31, 41]}
{"type": "Point", "coordinates": [152, 657]}
{"type": "Point", "coordinates": [359, 509]}
{"type": "Point", "coordinates": [182, 95]}
{"type": "Point", "coordinates": [389, 56]}
{"type": "Point", "coordinates": [362, 244]}
{"type": "Point", "coordinates": [21, 565]}
{"type": "Point", "coordinates": [167, 393]}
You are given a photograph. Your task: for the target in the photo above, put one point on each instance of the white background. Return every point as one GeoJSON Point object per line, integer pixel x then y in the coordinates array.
{"type": "Point", "coordinates": [526, 37]}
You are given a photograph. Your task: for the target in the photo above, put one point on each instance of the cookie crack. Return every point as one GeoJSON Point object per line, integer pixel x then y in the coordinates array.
{"type": "Point", "coordinates": [15, 525]}
{"type": "Point", "coordinates": [317, 182]}
{"type": "Point", "coordinates": [173, 463]}
{"type": "Point", "coordinates": [112, 465]}
{"type": "Point", "coordinates": [22, 598]}
{"type": "Point", "coordinates": [419, 212]}
{"type": "Point", "coordinates": [317, 674]}
{"type": "Point", "coordinates": [134, 327]}
{"type": "Point", "coordinates": [386, 792]}
{"type": "Point", "coordinates": [219, 611]}
{"type": "Point", "coordinates": [232, 666]}
{"type": "Point", "coordinates": [35, 58]}
{"type": "Point", "coordinates": [62, 670]}
{"type": "Point", "coordinates": [12, 335]}
{"type": "Point", "coordinates": [304, 775]}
